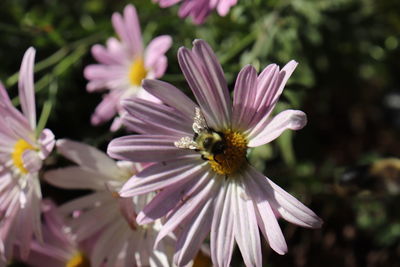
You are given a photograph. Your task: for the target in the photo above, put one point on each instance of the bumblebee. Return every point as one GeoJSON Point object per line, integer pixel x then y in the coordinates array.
{"type": "Point", "coordinates": [206, 141]}
{"type": "Point", "coordinates": [209, 144]}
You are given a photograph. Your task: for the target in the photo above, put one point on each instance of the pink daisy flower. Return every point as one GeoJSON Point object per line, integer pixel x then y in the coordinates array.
{"type": "Point", "coordinates": [199, 10]}
{"type": "Point", "coordinates": [201, 174]}
{"type": "Point", "coordinates": [123, 64]}
{"type": "Point", "coordinates": [59, 248]}
{"type": "Point", "coordinates": [22, 152]}
{"type": "Point", "coordinates": [104, 214]}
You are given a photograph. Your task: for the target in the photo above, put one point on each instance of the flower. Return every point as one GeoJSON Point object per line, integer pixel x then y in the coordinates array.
{"type": "Point", "coordinates": [21, 155]}
{"type": "Point", "coordinates": [104, 215]}
{"type": "Point", "coordinates": [59, 248]}
{"type": "Point", "coordinates": [199, 9]}
{"type": "Point", "coordinates": [200, 171]}
{"type": "Point", "coordinates": [123, 64]}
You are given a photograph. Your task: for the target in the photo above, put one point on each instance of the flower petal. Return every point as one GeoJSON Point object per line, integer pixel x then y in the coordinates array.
{"type": "Point", "coordinates": [169, 197]}
{"type": "Point", "coordinates": [128, 29]}
{"type": "Point", "coordinates": [163, 174]}
{"type": "Point", "coordinates": [46, 142]}
{"type": "Point", "coordinates": [76, 178]}
{"type": "Point", "coordinates": [32, 161]}
{"type": "Point", "coordinates": [206, 79]}
{"type": "Point", "coordinates": [191, 207]}
{"type": "Point", "coordinates": [222, 237]}
{"type": "Point", "coordinates": [193, 234]}
{"type": "Point", "coordinates": [161, 115]}
{"type": "Point", "coordinates": [155, 50]}
{"type": "Point", "coordinates": [88, 157]}
{"type": "Point", "coordinates": [171, 96]}
{"type": "Point", "coordinates": [26, 87]}
{"type": "Point", "coordinates": [244, 97]}
{"type": "Point", "coordinates": [146, 148]}
{"type": "Point", "coordinates": [245, 227]}
{"type": "Point", "coordinates": [268, 130]}
{"type": "Point", "coordinates": [288, 206]}
{"type": "Point", "coordinates": [266, 218]}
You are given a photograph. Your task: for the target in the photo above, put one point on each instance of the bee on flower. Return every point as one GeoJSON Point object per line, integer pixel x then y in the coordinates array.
{"type": "Point", "coordinates": [123, 64]}
{"type": "Point", "coordinates": [200, 173]}
{"type": "Point", "coordinates": [22, 151]}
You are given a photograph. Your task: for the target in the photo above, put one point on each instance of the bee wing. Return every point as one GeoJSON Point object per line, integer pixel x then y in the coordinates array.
{"type": "Point", "coordinates": [186, 142]}
{"type": "Point", "coordinates": [199, 122]}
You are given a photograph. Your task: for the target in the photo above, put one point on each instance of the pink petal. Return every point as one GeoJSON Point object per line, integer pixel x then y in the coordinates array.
{"type": "Point", "coordinates": [245, 227]}
{"type": "Point", "coordinates": [161, 115]}
{"type": "Point", "coordinates": [155, 50]}
{"type": "Point", "coordinates": [146, 148]}
{"type": "Point", "coordinates": [106, 109]}
{"type": "Point", "coordinates": [46, 142]}
{"type": "Point", "coordinates": [171, 96]}
{"type": "Point", "coordinates": [222, 238]}
{"type": "Point", "coordinates": [26, 87]}
{"type": "Point", "coordinates": [191, 207]}
{"type": "Point", "coordinates": [128, 29]}
{"type": "Point", "coordinates": [193, 234]}
{"type": "Point", "coordinates": [268, 130]}
{"type": "Point", "coordinates": [76, 178]}
{"type": "Point", "coordinates": [224, 6]}
{"type": "Point", "coordinates": [269, 89]}
{"type": "Point", "coordinates": [169, 197]}
{"type": "Point", "coordinates": [88, 157]}
{"type": "Point", "coordinates": [206, 79]}
{"type": "Point", "coordinates": [266, 218]}
{"type": "Point", "coordinates": [244, 97]}
{"type": "Point", "coordinates": [32, 161]}
{"type": "Point", "coordinates": [289, 207]}
{"type": "Point", "coordinates": [163, 174]}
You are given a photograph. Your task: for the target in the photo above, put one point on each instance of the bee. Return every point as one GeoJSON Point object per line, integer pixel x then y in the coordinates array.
{"type": "Point", "coordinates": [205, 140]}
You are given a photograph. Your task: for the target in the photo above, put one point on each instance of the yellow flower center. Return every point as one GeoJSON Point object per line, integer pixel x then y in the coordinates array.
{"type": "Point", "coordinates": [19, 148]}
{"type": "Point", "coordinates": [234, 155]}
{"type": "Point", "coordinates": [78, 260]}
{"type": "Point", "coordinates": [137, 72]}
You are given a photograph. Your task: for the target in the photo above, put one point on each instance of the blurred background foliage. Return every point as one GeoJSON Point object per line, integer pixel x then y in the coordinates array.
{"type": "Point", "coordinates": [344, 164]}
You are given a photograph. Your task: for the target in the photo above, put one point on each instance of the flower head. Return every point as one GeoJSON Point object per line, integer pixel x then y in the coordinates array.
{"type": "Point", "coordinates": [123, 64]}
{"type": "Point", "coordinates": [21, 155]}
{"type": "Point", "coordinates": [199, 10]}
{"type": "Point", "coordinates": [104, 215]}
{"type": "Point", "coordinates": [201, 174]}
{"type": "Point", "coordinates": [59, 248]}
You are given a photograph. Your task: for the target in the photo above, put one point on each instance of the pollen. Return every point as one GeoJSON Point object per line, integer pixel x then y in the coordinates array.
{"type": "Point", "coordinates": [234, 155]}
{"type": "Point", "coordinates": [78, 260]}
{"type": "Point", "coordinates": [19, 148]}
{"type": "Point", "coordinates": [137, 72]}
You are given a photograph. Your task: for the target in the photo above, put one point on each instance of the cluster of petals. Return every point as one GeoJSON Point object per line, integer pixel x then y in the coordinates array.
{"type": "Point", "coordinates": [194, 198]}
{"type": "Point", "coordinates": [103, 215]}
{"type": "Point", "coordinates": [123, 63]}
{"type": "Point", "coordinates": [22, 152]}
{"type": "Point", "coordinates": [58, 247]}
{"type": "Point", "coordinates": [199, 10]}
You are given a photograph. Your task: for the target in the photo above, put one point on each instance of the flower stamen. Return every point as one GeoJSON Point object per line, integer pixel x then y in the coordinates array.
{"type": "Point", "coordinates": [19, 148]}
{"type": "Point", "coordinates": [137, 72]}
{"type": "Point", "coordinates": [233, 156]}
{"type": "Point", "coordinates": [78, 260]}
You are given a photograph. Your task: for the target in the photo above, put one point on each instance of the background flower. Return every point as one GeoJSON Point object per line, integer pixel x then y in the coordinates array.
{"type": "Point", "coordinates": [104, 215]}
{"type": "Point", "coordinates": [21, 155]}
{"type": "Point", "coordinates": [123, 64]}
{"type": "Point", "coordinates": [199, 10]}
